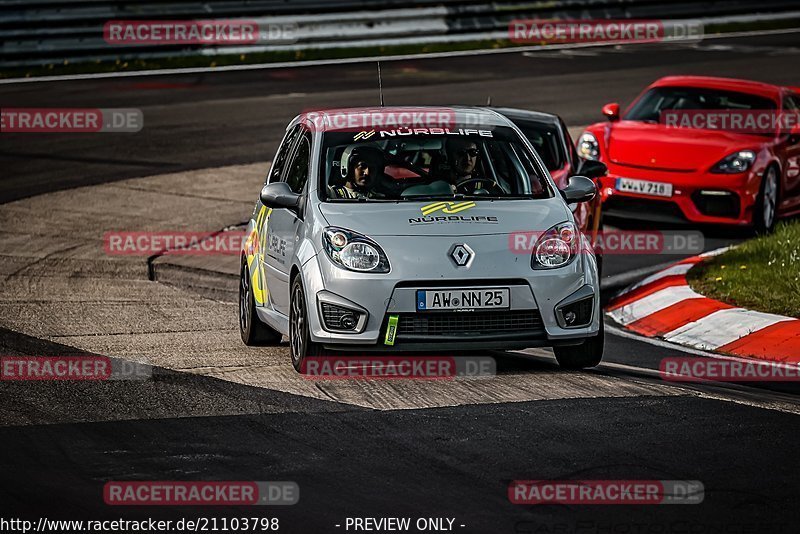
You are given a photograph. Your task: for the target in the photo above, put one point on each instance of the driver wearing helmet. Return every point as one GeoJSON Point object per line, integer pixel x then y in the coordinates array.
{"type": "Point", "coordinates": [360, 167]}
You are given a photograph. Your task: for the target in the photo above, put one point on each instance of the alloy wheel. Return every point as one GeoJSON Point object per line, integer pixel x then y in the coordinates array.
{"type": "Point", "coordinates": [770, 197]}
{"type": "Point", "coordinates": [297, 328]}
{"type": "Point", "coordinates": [244, 300]}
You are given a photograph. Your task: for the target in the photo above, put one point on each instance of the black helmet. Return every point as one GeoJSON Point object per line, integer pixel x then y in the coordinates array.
{"type": "Point", "coordinates": [354, 153]}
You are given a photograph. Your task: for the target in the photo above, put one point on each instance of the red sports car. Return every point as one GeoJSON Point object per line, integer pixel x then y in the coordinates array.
{"type": "Point", "coordinates": [702, 150]}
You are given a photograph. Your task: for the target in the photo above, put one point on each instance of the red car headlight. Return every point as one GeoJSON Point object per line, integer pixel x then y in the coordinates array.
{"type": "Point", "coordinates": [588, 147]}
{"type": "Point", "coordinates": [735, 163]}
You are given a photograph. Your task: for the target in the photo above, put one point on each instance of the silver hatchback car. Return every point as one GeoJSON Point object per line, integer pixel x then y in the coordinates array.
{"type": "Point", "coordinates": [417, 229]}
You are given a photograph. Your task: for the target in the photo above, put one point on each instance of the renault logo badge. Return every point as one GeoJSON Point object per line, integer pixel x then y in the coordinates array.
{"type": "Point", "coordinates": [461, 255]}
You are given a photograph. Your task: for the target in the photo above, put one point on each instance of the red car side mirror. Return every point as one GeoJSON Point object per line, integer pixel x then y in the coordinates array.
{"type": "Point", "coordinates": [611, 111]}
{"type": "Point", "coordinates": [794, 134]}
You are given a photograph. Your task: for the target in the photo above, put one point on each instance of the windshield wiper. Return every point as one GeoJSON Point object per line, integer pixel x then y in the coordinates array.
{"type": "Point", "coordinates": [350, 200]}
{"type": "Point", "coordinates": [462, 196]}
{"type": "Point", "coordinates": [497, 197]}
{"type": "Point", "coordinates": [429, 197]}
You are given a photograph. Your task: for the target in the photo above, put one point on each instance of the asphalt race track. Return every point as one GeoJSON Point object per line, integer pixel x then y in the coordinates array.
{"type": "Point", "coordinates": [217, 410]}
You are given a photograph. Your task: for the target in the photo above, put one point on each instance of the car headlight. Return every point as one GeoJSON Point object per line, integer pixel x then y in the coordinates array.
{"type": "Point", "coordinates": [354, 251]}
{"type": "Point", "coordinates": [588, 147]}
{"type": "Point", "coordinates": [735, 163]}
{"type": "Point", "coordinates": [556, 247]}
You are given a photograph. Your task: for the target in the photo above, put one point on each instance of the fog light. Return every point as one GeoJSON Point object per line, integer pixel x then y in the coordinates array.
{"type": "Point", "coordinates": [339, 318]}
{"type": "Point", "coordinates": [575, 314]}
{"type": "Point", "coordinates": [348, 321]}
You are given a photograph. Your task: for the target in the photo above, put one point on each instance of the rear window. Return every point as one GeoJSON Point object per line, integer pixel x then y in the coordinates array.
{"type": "Point", "coordinates": [546, 141]}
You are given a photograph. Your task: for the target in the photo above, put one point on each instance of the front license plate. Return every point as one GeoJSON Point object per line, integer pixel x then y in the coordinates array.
{"type": "Point", "coordinates": [644, 187]}
{"type": "Point", "coordinates": [463, 299]}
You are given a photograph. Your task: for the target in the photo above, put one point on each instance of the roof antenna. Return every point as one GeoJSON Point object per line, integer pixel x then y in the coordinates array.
{"type": "Point", "coordinates": [489, 101]}
{"type": "Point", "coordinates": [380, 83]}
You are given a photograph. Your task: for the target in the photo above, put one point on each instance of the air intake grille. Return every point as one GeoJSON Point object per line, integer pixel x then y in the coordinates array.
{"type": "Point", "coordinates": [469, 323]}
{"type": "Point", "coordinates": [725, 205]}
{"type": "Point", "coordinates": [333, 315]}
{"type": "Point", "coordinates": [582, 310]}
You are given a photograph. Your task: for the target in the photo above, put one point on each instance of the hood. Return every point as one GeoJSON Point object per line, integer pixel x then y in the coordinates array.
{"type": "Point", "coordinates": [445, 218]}
{"type": "Point", "coordinates": [657, 146]}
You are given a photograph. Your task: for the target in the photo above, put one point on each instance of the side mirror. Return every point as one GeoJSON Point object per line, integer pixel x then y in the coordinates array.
{"type": "Point", "coordinates": [592, 169]}
{"type": "Point", "coordinates": [611, 111]}
{"type": "Point", "coordinates": [794, 134]}
{"type": "Point", "coordinates": [579, 189]}
{"type": "Point", "coordinates": [279, 195]}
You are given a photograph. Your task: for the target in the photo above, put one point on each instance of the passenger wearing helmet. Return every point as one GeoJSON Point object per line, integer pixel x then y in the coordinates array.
{"type": "Point", "coordinates": [361, 166]}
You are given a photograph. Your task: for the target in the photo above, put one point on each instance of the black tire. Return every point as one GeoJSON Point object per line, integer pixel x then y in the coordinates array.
{"type": "Point", "coordinates": [587, 354]}
{"type": "Point", "coordinates": [300, 344]}
{"type": "Point", "coordinates": [598, 252]}
{"type": "Point", "coordinates": [254, 332]}
{"type": "Point", "coordinates": [598, 255]}
{"type": "Point", "coordinates": [766, 205]}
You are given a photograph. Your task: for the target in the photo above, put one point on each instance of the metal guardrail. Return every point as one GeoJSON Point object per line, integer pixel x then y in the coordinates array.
{"type": "Point", "coordinates": [38, 32]}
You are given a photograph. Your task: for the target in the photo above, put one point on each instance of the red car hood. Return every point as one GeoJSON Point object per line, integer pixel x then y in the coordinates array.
{"type": "Point", "coordinates": [657, 146]}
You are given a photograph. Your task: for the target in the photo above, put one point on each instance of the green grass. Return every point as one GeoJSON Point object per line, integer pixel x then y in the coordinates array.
{"type": "Point", "coordinates": [312, 54]}
{"type": "Point", "coordinates": [762, 274]}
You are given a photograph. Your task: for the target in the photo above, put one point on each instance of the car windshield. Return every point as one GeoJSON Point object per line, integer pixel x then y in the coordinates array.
{"type": "Point", "coordinates": [545, 139]}
{"type": "Point", "coordinates": [434, 163]}
{"type": "Point", "coordinates": [659, 99]}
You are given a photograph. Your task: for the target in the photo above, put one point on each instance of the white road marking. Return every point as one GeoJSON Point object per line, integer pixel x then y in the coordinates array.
{"type": "Point", "coordinates": [619, 332]}
{"type": "Point", "coordinates": [722, 327]}
{"type": "Point", "coordinates": [630, 276]}
{"type": "Point", "coordinates": [561, 54]}
{"type": "Point", "coordinates": [681, 268]}
{"type": "Point", "coordinates": [645, 306]}
{"type": "Point", "coordinates": [722, 391]}
{"type": "Point", "coordinates": [716, 251]}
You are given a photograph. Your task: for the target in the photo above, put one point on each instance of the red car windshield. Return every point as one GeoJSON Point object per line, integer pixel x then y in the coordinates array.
{"type": "Point", "coordinates": [650, 107]}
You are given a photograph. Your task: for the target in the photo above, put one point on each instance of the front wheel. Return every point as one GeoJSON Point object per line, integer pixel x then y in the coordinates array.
{"type": "Point", "coordinates": [766, 203]}
{"type": "Point", "coordinates": [587, 354]}
{"type": "Point", "coordinates": [300, 344]}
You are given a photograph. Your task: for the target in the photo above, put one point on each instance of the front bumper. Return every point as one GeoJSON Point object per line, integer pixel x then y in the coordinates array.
{"type": "Point", "coordinates": [697, 197]}
{"type": "Point", "coordinates": [530, 321]}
